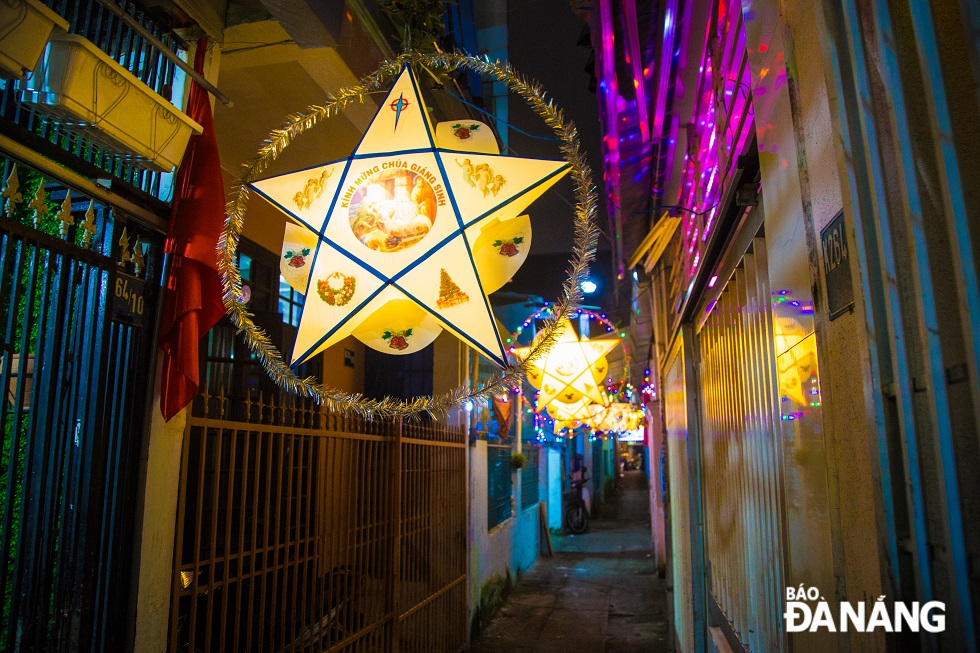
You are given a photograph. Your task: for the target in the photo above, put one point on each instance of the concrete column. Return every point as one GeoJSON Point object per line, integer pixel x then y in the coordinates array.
{"type": "Point", "coordinates": [159, 513]}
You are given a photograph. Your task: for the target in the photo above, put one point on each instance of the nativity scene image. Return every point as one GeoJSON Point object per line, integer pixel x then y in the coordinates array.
{"type": "Point", "coordinates": [392, 210]}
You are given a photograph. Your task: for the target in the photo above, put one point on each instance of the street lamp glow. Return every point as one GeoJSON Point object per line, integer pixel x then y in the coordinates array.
{"type": "Point", "coordinates": [589, 286]}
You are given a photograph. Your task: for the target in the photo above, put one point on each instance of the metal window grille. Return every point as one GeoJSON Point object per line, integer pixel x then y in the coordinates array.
{"type": "Point", "coordinates": [741, 448]}
{"type": "Point", "coordinates": [71, 416]}
{"type": "Point", "coordinates": [529, 477]}
{"type": "Point", "coordinates": [499, 490]}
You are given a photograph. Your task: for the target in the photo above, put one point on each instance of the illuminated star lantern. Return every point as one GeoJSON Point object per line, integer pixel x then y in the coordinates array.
{"type": "Point", "coordinates": [569, 415]}
{"type": "Point", "coordinates": [407, 235]}
{"type": "Point", "coordinates": [616, 416]}
{"type": "Point", "coordinates": [571, 370]}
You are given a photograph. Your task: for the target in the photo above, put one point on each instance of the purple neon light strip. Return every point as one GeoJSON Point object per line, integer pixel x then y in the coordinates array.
{"type": "Point", "coordinates": [664, 66]}
{"type": "Point", "coordinates": [722, 125]}
{"type": "Point", "coordinates": [636, 64]}
{"type": "Point", "coordinates": [609, 91]}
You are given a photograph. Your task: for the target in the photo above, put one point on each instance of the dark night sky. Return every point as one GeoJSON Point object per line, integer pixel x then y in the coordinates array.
{"type": "Point", "coordinates": [543, 37]}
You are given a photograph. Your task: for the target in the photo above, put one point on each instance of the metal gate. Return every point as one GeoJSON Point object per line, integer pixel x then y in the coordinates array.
{"type": "Point", "coordinates": [75, 315]}
{"type": "Point", "coordinates": [741, 456]}
{"type": "Point", "coordinates": [303, 531]}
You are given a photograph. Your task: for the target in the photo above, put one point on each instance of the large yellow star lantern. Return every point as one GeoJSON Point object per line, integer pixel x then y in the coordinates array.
{"type": "Point", "coordinates": [408, 234]}
{"type": "Point", "coordinates": [571, 371]}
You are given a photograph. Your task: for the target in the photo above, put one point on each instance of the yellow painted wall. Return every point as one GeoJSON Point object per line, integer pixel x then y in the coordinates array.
{"type": "Point", "coordinates": [340, 376]}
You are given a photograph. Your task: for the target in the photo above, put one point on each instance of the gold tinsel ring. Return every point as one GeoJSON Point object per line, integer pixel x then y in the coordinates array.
{"type": "Point", "coordinates": [586, 237]}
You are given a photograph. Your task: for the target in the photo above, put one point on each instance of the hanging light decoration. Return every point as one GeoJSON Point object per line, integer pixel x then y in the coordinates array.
{"type": "Point", "coordinates": [428, 262]}
{"type": "Point", "coordinates": [568, 415]}
{"type": "Point", "coordinates": [407, 235]}
{"type": "Point", "coordinates": [572, 370]}
{"type": "Point", "coordinates": [600, 319]}
{"type": "Point", "coordinates": [615, 417]}
{"type": "Point", "coordinates": [648, 392]}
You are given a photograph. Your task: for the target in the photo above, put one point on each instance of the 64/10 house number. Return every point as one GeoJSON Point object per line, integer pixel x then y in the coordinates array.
{"type": "Point", "coordinates": [128, 302]}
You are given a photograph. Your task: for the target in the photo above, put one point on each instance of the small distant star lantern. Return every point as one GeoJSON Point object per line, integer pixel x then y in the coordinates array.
{"type": "Point", "coordinates": [569, 415]}
{"type": "Point", "coordinates": [402, 239]}
{"type": "Point", "coordinates": [617, 416]}
{"type": "Point", "coordinates": [573, 370]}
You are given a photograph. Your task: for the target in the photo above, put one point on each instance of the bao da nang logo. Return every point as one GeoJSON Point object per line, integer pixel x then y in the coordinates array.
{"type": "Point", "coordinates": [807, 610]}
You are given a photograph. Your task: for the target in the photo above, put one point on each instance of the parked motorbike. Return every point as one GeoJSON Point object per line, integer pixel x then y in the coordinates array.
{"type": "Point", "coordinates": [576, 512]}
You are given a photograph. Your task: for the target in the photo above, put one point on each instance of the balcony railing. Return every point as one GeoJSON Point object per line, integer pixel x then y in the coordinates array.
{"type": "Point", "coordinates": [92, 20]}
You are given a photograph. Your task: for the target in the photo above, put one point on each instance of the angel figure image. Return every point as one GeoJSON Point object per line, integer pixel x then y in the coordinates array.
{"type": "Point", "coordinates": [482, 174]}
{"type": "Point", "coordinates": [495, 185]}
{"type": "Point", "coordinates": [312, 190]}
{"type": "Point", "coordinates": [468, 171]}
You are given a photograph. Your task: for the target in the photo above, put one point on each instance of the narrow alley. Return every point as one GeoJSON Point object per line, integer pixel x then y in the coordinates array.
{"type": "Point", "coordinates": [599, 592]}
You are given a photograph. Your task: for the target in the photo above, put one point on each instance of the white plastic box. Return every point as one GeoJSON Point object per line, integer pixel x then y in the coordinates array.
{"type": "Point", "coordinates": [81, 87]}
{"type": "Point", "coordinates": [25, 26]}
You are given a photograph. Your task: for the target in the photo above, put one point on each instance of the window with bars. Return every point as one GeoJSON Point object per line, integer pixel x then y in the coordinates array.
{"type": "Point", "coordinates": [529, 476]}
{"type": "Point", "coordinates": [290, 303]}
{"type": "Point", "coordinates": [229, 363]}
{"type": "Point", "coordinates": [499, 484]}
{"type": "Point", "coordinates": [403, 377]}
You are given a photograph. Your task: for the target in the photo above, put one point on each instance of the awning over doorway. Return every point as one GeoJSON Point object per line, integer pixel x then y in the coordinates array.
{"type": "Point", "coordinates": [655, 243]}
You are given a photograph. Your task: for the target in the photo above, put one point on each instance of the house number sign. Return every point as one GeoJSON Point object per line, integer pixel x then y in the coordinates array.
{"type": "Point", "coordinates": [836, 267]}
{"type": "Point", "coordinates": [128, 302]}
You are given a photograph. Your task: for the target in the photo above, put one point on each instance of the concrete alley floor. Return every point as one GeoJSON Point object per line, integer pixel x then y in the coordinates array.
{"type": "Point", "coordinates": [599, 593]}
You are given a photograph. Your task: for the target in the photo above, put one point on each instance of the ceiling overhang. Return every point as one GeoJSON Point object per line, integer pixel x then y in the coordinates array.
{"type": "Point", "coordinates": [310, 23]}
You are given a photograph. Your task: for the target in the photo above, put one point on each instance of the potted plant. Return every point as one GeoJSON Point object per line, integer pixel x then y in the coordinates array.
{"type": "Point", "coordinates": [80, 86]}
{"type": "Point", "coordinates": [517, 460]}
{"type": "Point", "coordinates": [25, 26]}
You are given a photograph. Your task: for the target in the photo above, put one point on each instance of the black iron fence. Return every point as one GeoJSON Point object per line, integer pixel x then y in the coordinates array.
{"type": "Point", "coordinates": [77, 297]}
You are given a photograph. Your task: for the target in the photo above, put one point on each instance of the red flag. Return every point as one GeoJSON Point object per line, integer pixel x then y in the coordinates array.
{"type": "Point", "coordinates": [193, 296]}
